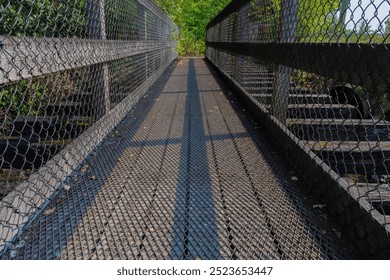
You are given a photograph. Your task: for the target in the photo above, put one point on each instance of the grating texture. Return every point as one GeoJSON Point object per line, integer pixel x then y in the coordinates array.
{"type": "Point", "coordinates": [186, 175]}
{"type": "Point", "coordinates": [318, 71]}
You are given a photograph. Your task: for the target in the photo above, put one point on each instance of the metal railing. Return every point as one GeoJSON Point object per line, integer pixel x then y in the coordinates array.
{"type": "Point", "coordinates": [69, 72]}
{"type": "Point", "coordinates": [317, 75]}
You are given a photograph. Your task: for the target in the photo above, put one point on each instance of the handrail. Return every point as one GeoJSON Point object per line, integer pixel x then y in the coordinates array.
{"type": "Point", "coordinates": [319, 86]}
{"type": "Point", "coordinates": [69, 73]}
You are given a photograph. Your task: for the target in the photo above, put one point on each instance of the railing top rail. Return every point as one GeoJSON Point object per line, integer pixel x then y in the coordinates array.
{"type": "Point", "coordinates": [69, 73]}
{"type": "Point", "coordinates": [317, 76]}
{"type": "Point", "coordinates": [227, 11]}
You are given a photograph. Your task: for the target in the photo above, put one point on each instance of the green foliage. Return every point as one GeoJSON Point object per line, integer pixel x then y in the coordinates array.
{"type": "Point", "coordinates": [22, 99]}
{"type": "Point", "coordinates": [387, 28]}
{"type": "Point", "coordinates": [192, 17]}
{"type": "Point", "coordinates": [118, 25]}
{"type": "Point", "coordinates": [43, 18]}
{"type": "Point", "coordinates": [38, 18]}
{"type": "Point", "coordinates": [319, 21]}
{"type": "Point", "coordinates": [316, 18]}
{"type": "Point", "coordinates": [29, 97]}
{"type": "Point", "coordinates": [266, 15]}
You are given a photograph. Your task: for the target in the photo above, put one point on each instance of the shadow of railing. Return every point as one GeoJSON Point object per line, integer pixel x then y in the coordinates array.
{"type": "Point", "coordinates": [195, 225]}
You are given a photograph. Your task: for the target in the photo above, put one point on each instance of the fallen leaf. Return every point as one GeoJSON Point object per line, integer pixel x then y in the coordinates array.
{"type": "Point", "coordinates": [83, 170]}
{"type": "Point", "coordinates": [337, 233]}
{"type": "Point", "coordinates": [318, 206]}
{"type": "Point", "coordinates": [356, 177]}
{"type": "Point", "coordinates": [93, 178]}
{"type": "Point", "coordinates": [49, 211]}
{"type": "Point", "coordinates": [67, 188]}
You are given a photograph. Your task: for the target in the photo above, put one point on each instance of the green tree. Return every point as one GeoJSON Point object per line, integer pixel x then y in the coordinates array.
{"type": "Point", "coordinates": [364, 32]}
{"type": "Point", "coordinates": [363, 28]}
{"type": "Point", "coordinates": [315, 19]}
{"type": "Point", "coordinates": [387, 28]}
{"type": "Point", "coordinates": [192, 17]}
{"type": "Point", "coordinates": [39, 18]}
{"type": "Point", "coordinates": [43, 18]}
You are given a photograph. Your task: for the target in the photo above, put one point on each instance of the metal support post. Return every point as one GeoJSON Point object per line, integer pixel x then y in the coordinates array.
{"type": "Point", "coordinates": [97, 31]}
{"type": "Point", "coordinates": [288, 24]}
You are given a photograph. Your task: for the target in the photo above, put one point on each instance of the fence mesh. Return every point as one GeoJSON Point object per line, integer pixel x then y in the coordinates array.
{"type": "Point", "coordinates": [319, 70]}
{"type": "Point", "coordinates": [69, 71]}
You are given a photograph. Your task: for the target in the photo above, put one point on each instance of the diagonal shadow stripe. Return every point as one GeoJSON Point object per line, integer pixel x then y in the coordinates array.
{"type": "Point", "coordinates": [176, 141]}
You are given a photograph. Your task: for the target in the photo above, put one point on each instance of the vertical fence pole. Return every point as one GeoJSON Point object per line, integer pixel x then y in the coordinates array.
{"type": "Point", "coordinates": [343, 15]}
{"type": "Point", "coordinates": [233, 39]}
{"type": "Point", "coordinates": [239, 61]}
{"type": "Point", "coordinates": [288, 23]}
{"type": "Point", "coordinates": [343, 11]}
{"type": "Point", "coordinates": [143, 32]}
{"type": "Point", "coordinates": [97, 31]}
{"type": "Point", "coordinates": [145, 25]}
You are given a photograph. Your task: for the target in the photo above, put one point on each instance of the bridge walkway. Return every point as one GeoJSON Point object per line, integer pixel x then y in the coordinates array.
{"type": "Point", "coordinates": [188, 174]}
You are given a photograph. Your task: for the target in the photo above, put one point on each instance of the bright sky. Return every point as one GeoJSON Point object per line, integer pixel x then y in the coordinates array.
{"type": "Point", "coordinates": [375, 12]}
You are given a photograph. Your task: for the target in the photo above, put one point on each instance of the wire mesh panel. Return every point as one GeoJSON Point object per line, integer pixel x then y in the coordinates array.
{"type": "Point", "coordinates": [69, 71]}
{"type": "Point", "coordinates": [186, 175]}
{"type": "Point", "coordinates": [318, 75]}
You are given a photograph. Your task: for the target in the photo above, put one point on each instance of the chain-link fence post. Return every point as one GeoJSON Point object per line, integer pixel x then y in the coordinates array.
{"type": "Point", "coordinates": [97, 31]}
{"type": "Point", "coordinates": [288, 24]}
{"type": "Point", "coordinates": [146, 38]}
{"type": "Point", "coordinates": [343, 11]}
{"type": "Point", "coordinates": [143, 33]}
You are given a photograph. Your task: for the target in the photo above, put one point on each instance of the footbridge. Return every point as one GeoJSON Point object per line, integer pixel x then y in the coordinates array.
{"type": "Point", "coordinates": [275, 145]}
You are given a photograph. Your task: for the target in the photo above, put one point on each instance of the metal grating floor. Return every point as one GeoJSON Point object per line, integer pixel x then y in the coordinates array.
{"type": "Point", "coordinates": [186, 175]}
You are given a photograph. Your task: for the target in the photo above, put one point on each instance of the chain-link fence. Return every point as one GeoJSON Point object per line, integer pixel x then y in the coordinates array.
{"type": "Point", "coordinates": [317, 73]}
{"type": "Point", "coordinates": [69, 72]}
